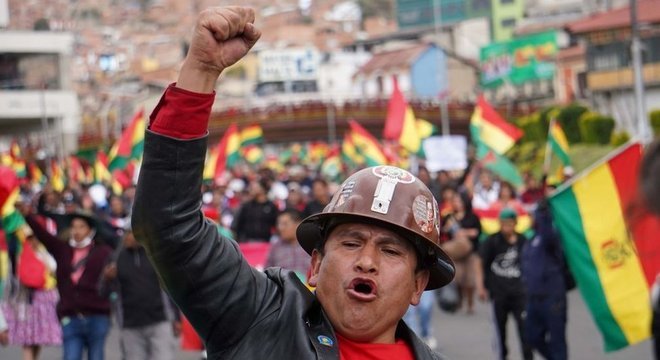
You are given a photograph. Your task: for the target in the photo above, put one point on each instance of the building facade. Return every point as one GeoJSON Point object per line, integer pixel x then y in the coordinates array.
{"type": "Point", "coordinates": [36, 96]}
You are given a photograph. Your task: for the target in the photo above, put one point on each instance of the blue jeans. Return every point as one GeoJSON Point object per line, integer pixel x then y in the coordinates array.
{"type": "Point", "coordinates": [418, 318]}
{"type": "Point", "coordinates": [83, 332]}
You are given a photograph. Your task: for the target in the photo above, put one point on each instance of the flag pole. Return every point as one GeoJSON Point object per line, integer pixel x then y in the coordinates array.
{"type": "Point", "coordinates": [596, 164]}
{"type": "Point", "coordinates": [548, 151]}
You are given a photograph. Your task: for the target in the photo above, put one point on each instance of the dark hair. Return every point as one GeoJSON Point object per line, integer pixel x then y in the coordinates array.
{"type": "Point", "coordinates": [506, 184]}
{"type": "Point", "coordinates": [294, 214]}
{"type": "Point", "coordinates": [321, 181]}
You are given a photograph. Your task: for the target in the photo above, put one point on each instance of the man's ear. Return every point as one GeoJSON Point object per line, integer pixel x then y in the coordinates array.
{"type": "Point", "coordinates": [315, 267]}
{"type": "Point", "coordinates": [421, 280]}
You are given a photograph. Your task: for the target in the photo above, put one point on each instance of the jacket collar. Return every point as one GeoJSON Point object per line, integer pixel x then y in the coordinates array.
{"type": "Point", "coordinates": [324, 340]}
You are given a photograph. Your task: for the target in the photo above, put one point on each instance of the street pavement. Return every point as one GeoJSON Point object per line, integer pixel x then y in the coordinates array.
{"type": "Point", "coordinates": [460, 336]}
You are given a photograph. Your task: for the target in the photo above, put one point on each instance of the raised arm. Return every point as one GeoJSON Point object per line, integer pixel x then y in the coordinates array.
{"type": "Point", "coordinates": [203, 272]}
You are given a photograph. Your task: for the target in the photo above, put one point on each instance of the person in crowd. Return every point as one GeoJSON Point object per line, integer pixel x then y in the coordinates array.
{"type": "Point", "coordinates": [533, 193]}
{"type": "Point", "coordinates": [148, 319]}
{"type": "Point", "coordinates": [464, 220]}
{"type": "Point", "coordinates": [373, 251]}
{"type": "Point", "coordinates": [84, 315]}
{"type": "Point", "coordinates": [543, 265]}
{"type": "Point", "coordinates": [499, 278]}
{"type": "Point", "coordinates": [256, 218]}
{"type": "Point", "coordinates": [118, 215]}
{"type": "Point", "coordinates": [446, 200]}
{"type": "Point", "coordinates": [486, 191]}
{"type": "Point", "coordinates": [507, 199]}
{"type": "Point", "coordinates": [30, 310]}
{"type": "Point", "coordinates": [286, 253]}
{"type": "Point", "coordinates": [442, 181]}
{"type": "Point", "coordinates": [320, 198]}
{"type": "Point", "coordinates": [420, 319]}
{"type": "Point", "coordinates": [296, 198]}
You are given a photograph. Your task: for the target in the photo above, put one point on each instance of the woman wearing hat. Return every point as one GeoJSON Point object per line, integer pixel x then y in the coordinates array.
{"type": "Point", "coordinates": [83, 313]}
{"type": "Point", "coordinates": [30, 308]}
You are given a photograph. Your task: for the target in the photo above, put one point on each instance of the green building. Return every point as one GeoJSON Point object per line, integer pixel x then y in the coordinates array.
{"type": "Point", "coordinates": [503, 14]}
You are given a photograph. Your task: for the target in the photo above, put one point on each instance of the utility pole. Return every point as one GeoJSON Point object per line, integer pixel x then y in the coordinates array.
{"type": "Point", "coordinates": [643, 130]}
{"type": "Point", "coordinates": [444, 111]}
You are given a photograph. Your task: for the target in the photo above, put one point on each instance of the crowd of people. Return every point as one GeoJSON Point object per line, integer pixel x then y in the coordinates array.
{"type": "Point", "coordinates": [96, 268]}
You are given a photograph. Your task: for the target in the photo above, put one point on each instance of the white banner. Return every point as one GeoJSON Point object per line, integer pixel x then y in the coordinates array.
{"type": "Point", "coordinates": [446, 153]}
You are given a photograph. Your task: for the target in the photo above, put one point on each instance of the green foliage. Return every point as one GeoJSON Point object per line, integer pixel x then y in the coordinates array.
{"type": "Point", "coordinates": [527, 156]}
{"type": "Point", "coordinates": [568, 118]}
{"type": "Point", "coordinates": [545, 115]}
{"type": "Point", "coordinates": [655, 121]}
{"type": "Point", "coordinates": [619, 138]}
{"type": "Point", "coordinates": [595, 128]}
{"type": "Point", "coordinates": [532, 127]}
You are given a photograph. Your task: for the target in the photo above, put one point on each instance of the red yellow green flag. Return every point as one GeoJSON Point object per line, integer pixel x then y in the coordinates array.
{"type": "Point", "coordinates": [558, 142]}
{"type": "Point", "coordinates": [226, 153]}
{"type": "Point", "coordinates": [489, 128]}
{"type": "Point", "coordinates": [253, 154]}
{"type": "Point", "coordinates": [9, 192]}
{"type": "Point", "coordinates": [400, 124]}
{"type": "Point", "coordinates": [130, 145]}
{"type": "Point", "coordinates": [57, 177]}
{"type": "Point", "coordinates": [36, 175]}
{"type": "Point", "coordinates": [604, 256]}
{"type": "Point", "coordinates": [252, 134]}
{"type": "Point", "coordinates": [367, 145]}
{"type": "Point", "coordinates": [349, 152]}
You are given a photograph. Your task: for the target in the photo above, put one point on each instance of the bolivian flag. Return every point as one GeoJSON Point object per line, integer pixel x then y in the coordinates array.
{"type": "Point", "coordinates": [489, 128]}
{"type": "Point", "coordinates": [131, 144]}
{"type": "Point", "coordinates": [558, 142]}
{"type": "Point", "coordinates": [225, 155]}
{"type": "Point", "coordinates": [612, 273]}
{"type": "Point", "coordinates": [252, 134]}
{"type": "Point", "coordinates": [367, 145]}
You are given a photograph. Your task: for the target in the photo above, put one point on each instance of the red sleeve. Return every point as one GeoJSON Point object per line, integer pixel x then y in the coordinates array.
{"type": "Point", "coordinates": [182, 114]}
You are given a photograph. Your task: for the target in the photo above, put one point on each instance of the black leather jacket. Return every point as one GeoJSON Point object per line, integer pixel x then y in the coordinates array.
{"type": "Point", "coordinates": [239, 312]}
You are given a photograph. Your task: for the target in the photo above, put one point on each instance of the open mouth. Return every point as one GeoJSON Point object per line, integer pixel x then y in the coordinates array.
{"type": "Point", "coordinates": [363, 289]}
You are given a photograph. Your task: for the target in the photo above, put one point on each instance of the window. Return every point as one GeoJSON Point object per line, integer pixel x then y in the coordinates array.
{"type": "Point", "coordinates": [608, 57]}
{"type": "Point", "coordinates": [510, 22]}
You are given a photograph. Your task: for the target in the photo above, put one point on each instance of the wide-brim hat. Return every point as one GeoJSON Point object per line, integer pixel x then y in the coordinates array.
{"type": "Point", "coordinates": [90, 218]}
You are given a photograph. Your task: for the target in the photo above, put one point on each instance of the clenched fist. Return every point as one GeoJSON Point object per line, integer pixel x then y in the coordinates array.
{"type": "Point", "coordinates": [223, 35]}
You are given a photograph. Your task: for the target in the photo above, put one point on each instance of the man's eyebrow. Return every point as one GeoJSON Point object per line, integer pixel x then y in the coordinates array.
{"type": "Point", "coordinates": [353, 233]}
{"type": "Point", "coordinates": [392, 240]}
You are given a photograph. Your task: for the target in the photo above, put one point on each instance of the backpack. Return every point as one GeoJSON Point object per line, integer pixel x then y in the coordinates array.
{"type": "Point", "coordinates": [31, 271]}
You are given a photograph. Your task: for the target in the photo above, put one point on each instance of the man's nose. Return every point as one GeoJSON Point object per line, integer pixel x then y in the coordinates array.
{"type": "Point", "coordinates": [367, 261]}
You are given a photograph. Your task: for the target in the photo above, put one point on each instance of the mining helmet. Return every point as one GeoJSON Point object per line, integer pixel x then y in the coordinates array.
{"type": "Point", "coordinates": [395, 199]}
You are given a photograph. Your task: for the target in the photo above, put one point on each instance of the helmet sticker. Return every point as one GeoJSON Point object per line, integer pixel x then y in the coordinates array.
{"type": "Point", "coordinates": [436, 216]}
{"type": "Point", "coordinates": [345, 192]}
{"type": "Point", "coordinates": [389, 176]}
{"type": "Point", "coordinates": [424, 213]}
{"type": "Point", "coordinates": [398, 175]}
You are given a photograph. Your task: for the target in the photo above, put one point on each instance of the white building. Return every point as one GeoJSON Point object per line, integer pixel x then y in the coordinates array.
{"type": "Point", "coordinates": [36, 91]}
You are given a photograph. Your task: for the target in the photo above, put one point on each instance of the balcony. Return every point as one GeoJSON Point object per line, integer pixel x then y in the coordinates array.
{"type": "Point", "coordinates": [622, 78]}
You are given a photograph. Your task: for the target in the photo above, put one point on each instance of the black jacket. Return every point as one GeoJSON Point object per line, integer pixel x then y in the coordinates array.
{"type": "Point", "coordinates": [239, 312]}
{"type": "Point", "coordinates": [141, 300]}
